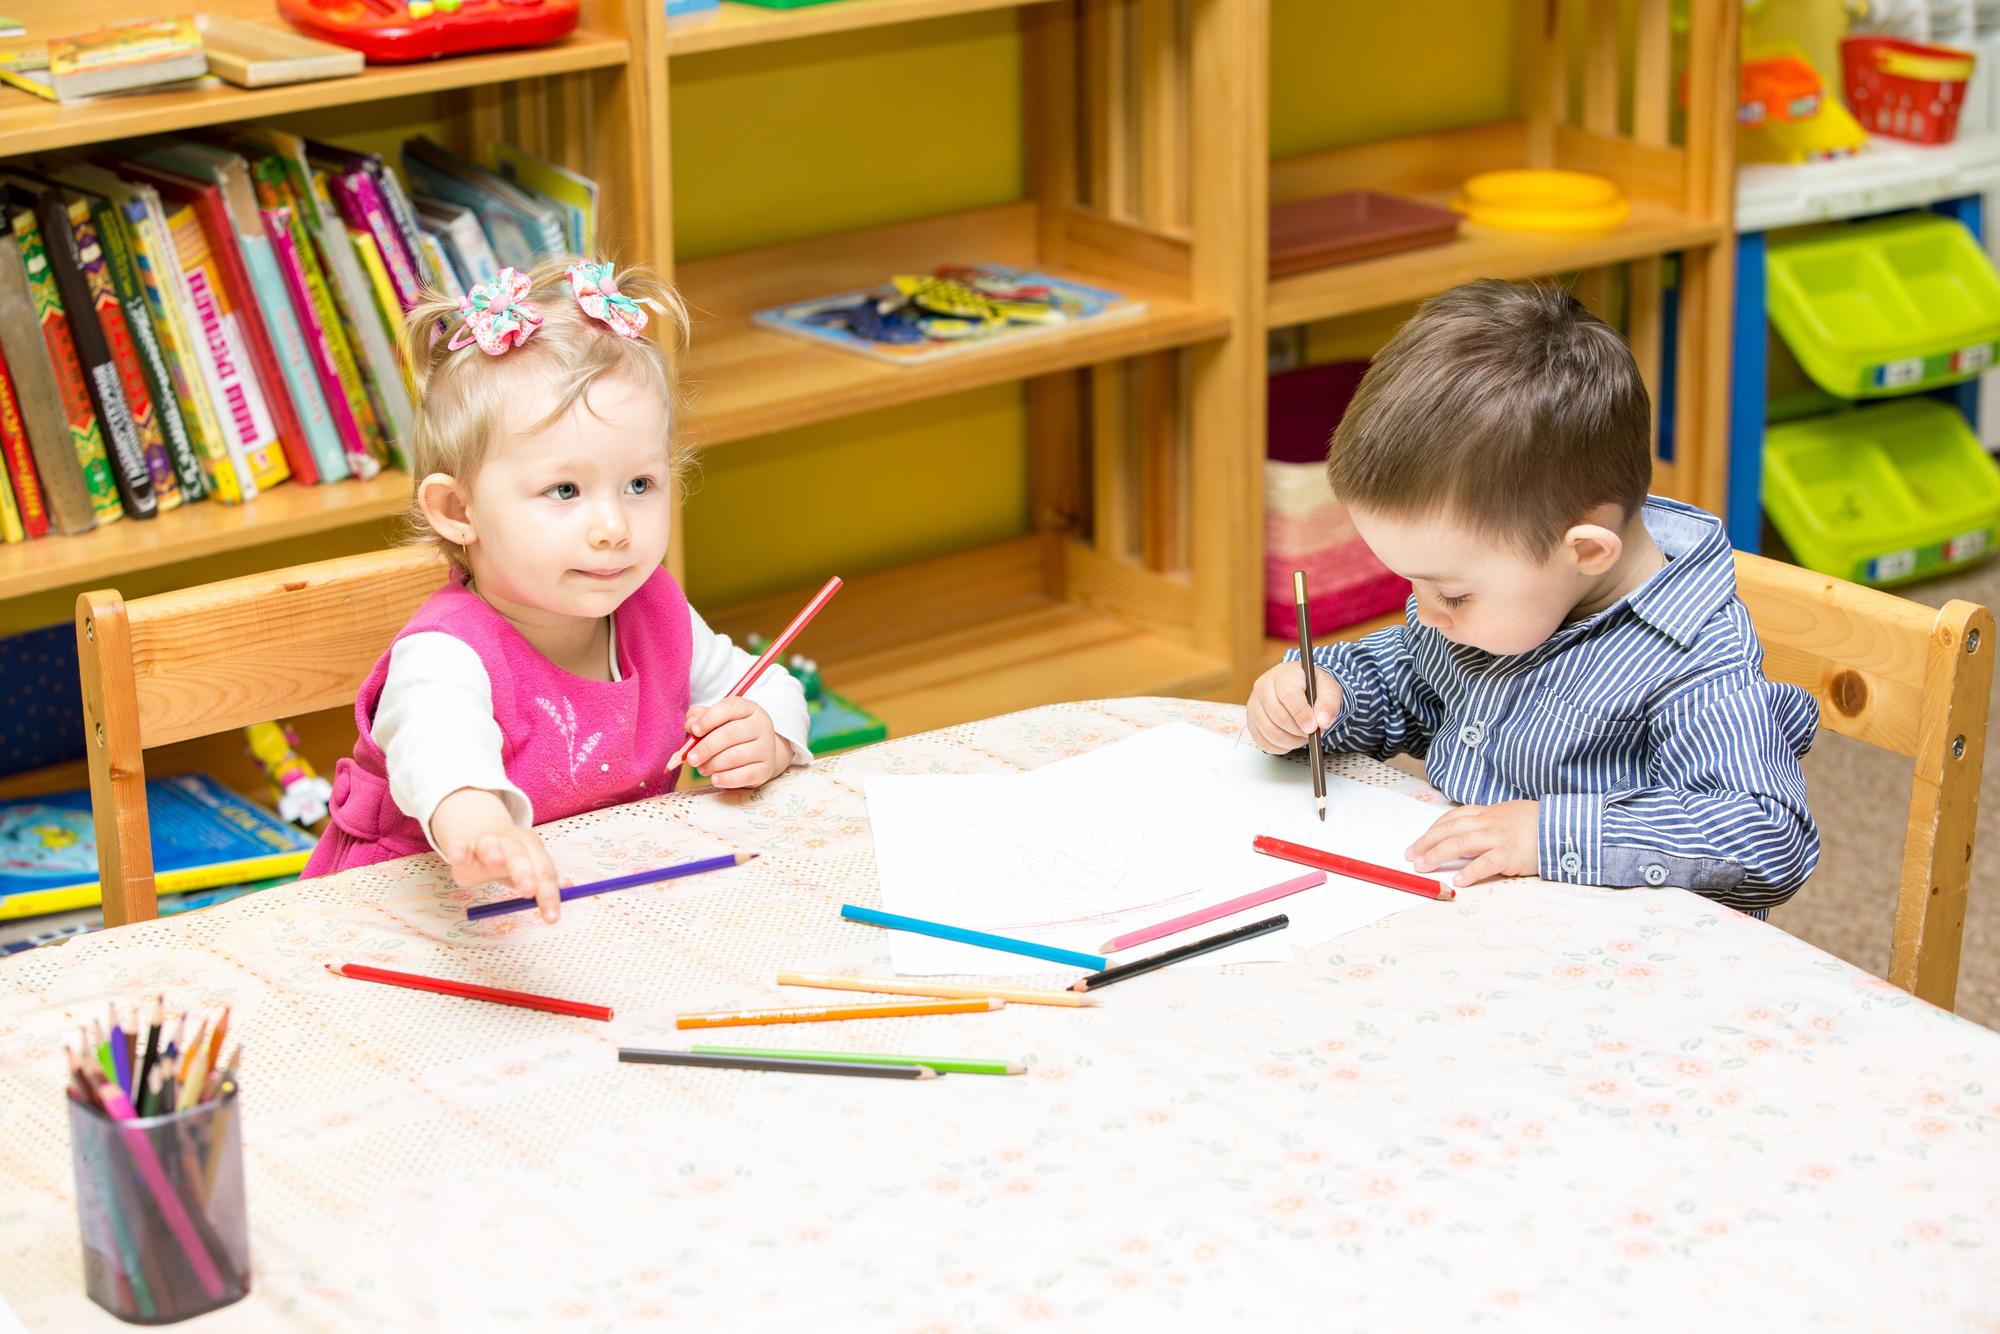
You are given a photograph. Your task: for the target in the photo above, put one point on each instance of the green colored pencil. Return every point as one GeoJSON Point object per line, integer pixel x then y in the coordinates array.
{"type": "Point", "coordinates": [944, 1065]}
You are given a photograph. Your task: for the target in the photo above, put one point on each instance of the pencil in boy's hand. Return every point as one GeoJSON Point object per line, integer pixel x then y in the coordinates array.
{"type": "Point", "coordinates": [1318, 758]}
{"type": "Point", "coordinates": [479, 912]}
{"type": "Point", "coordinates": [1354, 868]}
{"type": "Point", "coordinates": [812, 1014]}
{"type": "Point", "coordinates": [780, 1064]}
{"type": "Point", "coordinates": [770, 655]}
{"type": "Point", "coordinates": [1120, 972]}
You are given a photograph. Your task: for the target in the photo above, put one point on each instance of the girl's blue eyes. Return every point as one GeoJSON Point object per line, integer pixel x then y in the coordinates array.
{"type": "Point", "coordinates": [638, 486]}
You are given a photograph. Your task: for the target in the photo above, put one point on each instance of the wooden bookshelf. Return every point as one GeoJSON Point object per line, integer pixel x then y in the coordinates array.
{"type": "Point", "coordinates": [29, 124]}
{"type": "Point", "coordinates": [733, 25]}
{"type": "Point", "coordinates": [745, 380]}
{"type": "Point", "coordinates": [201, 529]}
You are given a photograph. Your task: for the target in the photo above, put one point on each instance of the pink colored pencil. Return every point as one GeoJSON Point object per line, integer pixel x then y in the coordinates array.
{"type": "Point", "coordinates": [778, 645]}
{"type": "Point", "coordinates": [1201, 915]}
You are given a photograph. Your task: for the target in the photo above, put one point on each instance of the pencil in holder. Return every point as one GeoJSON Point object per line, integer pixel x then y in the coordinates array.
{"type": "Point", "coordinates": [160, 1205]}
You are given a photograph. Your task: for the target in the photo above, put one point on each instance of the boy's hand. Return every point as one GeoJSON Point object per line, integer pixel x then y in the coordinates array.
{"type": "Point", "coordinates": [1278, 716]}
{"type": "Point", "coordinates": [482, 844]}
{"type": "Point", "coordinates": [739, 746]}
{"type": "Point", "coordinates": [1493, 840]}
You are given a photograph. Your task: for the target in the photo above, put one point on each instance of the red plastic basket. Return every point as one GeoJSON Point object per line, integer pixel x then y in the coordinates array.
{"type": "Point", "coordinates": [1905, 90]}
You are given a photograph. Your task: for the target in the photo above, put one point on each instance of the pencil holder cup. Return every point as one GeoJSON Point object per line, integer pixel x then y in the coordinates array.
{"type": "Point", "coordinates": [160, 1204]}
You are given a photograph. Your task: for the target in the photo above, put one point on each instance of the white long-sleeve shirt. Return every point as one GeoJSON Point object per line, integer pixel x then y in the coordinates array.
{"type": "Point", "coordinates": [435, 725]}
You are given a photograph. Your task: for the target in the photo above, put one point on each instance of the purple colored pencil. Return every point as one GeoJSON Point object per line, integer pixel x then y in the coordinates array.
{"type": "Point", "coordinates": [1201, 915]}
{"type": "Point", "coordinates": [480, 912]}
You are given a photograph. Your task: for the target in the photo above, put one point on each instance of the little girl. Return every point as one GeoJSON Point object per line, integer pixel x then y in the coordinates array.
{"type": "Point", "coordinates": [561, 667]}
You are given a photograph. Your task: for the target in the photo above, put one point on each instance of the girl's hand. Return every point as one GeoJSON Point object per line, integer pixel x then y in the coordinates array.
{"type": "Point", "coordinates": [738, 746]}
{"type": "Point", "coordinates": [482, 844]}
{"type": "Point", "coordinates": [1504, 839]}
{"type": "Point", "coordinates": [1279, 719]}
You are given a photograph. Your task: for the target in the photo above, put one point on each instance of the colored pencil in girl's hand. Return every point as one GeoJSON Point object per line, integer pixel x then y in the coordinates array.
{"type": "Point", "coordinates": [471, 991]}
{"type": "Point", "coordinates": [1188, 951]}
{"type": "Point", "coordinates": [770, 655]}
{"type": "Point", "coordinates": [479, 912]}
{"type": "Point", "coordinates": [812, 1014]}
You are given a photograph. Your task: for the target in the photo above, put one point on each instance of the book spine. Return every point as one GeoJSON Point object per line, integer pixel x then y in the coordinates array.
{"type": "Point", "coordinates": [177, 302]}
{"type": "Point", "coordinates": [385, 292]}
{"type": "Point", "coordinates": [117, 336]}
{"type": "Point", "coordinates": [40, 398]}
{"type": "Point", "coordinates": [403, 214]}
{"type": "Point", "coordinates": [288, 348]}
{"type": "Point", "coordinates": [281, 224]}
{"type": "Point", "coordinates": [85, 436]}
{"type": "Point", "coordinates": [115, 239]}
{"type": "Point", "coordinates": [361, 204]}
{"type": "Point", "coordinates": [188, 386]}
{"type": "Point", "coordinates": [253, 440]}
{"type": "Point", "coordinates": [11, 532]}
{"type": "Point", "coordinates": [20, 458]}
{"type": "Point", "coordinates": [373, 341]}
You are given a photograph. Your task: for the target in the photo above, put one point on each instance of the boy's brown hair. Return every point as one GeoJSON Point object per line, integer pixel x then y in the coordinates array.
{"type": "Point", "coordinates": [1506, 406]}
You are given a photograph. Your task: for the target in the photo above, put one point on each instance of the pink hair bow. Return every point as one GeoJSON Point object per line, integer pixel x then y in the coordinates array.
{"type": "Point", "coordinates": [498, 315]}
{"type": "Point", "coordinates": [597, 292]}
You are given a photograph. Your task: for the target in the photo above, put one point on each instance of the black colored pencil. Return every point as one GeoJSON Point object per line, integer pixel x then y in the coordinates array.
{"type": "Point", "coordinates": [142, 1082]}
{"type": "Point", "coordinates": [1119, 972]}
{"type": "Point", "coordinates": [662, 1056]}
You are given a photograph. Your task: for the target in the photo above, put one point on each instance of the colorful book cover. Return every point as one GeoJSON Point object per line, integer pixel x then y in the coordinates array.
{"type": "Point", "coordinates": [40, 398]}
{"type": "Point", "coordinates": [844, 321]}
{"type": "Point", "coordinates": [27, 486]}
{"type": "Point", "coordinates": [573, 192]}
{"type": "Point", "coordinates": [360, 203]}
{"type": "Point", "coordinates": [319, 346]}
{"type": "Point", "coordinates": [86, 438]}
{"type": "Point", "coordinates": [253, 440]}
{"type": "Point", "coordinates": [203, 835]}
{"type": "Point", "coordinates": [385, 293]}
{"type": "Point", "coordinates": [124, 351]}
{"type": "Point", "coordinates": [446, 272]}
{"type": "Point", "coordinates": [11, 531]}
{"type": "Point", "coordinates": [115, 237]}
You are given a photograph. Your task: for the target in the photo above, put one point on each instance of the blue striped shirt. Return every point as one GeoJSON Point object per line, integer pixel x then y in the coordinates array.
{"type": "Point", "coordinates": [1658, 749]}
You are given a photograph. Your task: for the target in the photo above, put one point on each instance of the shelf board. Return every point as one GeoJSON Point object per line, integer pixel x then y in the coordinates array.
{"type": "Point", "coordinates": [1478, 252]}
{"type": "Point", "coordinates": [972, 635]}
{"type": "Point", "coordinates": [745, 381]}
{"type": "Point", "coordinates": [28, 124]}
{"type": "Point", "coordinates": [201, 529]}
{"type": "Point", "coordinates": [732, 25]}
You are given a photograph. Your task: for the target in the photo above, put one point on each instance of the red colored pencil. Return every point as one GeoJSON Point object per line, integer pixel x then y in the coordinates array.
{"type": "Point", "coordinates": [1353, 868]}
{"type": "Point", "coordinates": [778, 645]}
{"type": "Point", "coordinates": [471, 991]}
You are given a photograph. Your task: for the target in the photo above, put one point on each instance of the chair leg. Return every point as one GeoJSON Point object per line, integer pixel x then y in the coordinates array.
{"type": "Point", "coordinates": [117, 759]}
{"type": "Point", "coordinates": [1944, 805]}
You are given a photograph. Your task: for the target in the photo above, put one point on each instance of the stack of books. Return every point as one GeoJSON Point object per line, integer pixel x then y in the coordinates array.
{"type": "Point", "coordinates": [210, 317]}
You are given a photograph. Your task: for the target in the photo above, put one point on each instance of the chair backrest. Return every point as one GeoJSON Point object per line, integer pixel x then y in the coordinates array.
{"type": "Point", "coordinates": [1911, 679]}
{"type": "Point", "coordinates": [208, 659]}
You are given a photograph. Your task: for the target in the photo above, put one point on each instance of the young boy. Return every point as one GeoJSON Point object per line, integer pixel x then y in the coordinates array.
{"type": "Point", "coordinates": [1575, 664]}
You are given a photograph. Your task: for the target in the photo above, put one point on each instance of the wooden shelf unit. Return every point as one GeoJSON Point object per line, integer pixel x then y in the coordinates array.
{"type": "Point", "coordinates": [733, 25]}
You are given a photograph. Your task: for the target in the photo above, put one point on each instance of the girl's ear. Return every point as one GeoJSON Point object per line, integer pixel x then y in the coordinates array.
{"type": "Point", "coordinates": [442, 500]}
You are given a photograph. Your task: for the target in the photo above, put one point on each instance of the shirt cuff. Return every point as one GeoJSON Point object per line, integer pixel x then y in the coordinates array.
{"type": "Point", "coordinates": [519, 809]}
{"type": "Point", "coordinates": [1570, 840]}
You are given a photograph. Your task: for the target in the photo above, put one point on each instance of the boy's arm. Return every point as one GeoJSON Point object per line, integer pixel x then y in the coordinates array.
{"type": "Point", "coordinates": [1724, 810]}
{"type": "Point", "coordinates": [1386, 708]}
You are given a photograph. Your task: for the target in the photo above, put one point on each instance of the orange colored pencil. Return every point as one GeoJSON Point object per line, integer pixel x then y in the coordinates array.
{"type": "Point", "coordinates": [813, 1014]}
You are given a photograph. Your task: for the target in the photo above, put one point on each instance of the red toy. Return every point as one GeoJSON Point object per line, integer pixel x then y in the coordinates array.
{"type": "Point", "coordinates": [389, 32]}
{"type": "Point", "coordinates": [1906, 90]}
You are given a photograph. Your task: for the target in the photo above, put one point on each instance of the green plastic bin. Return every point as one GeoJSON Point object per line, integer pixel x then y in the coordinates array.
{"type": "Point", "coordinates": [1890, 306]}
{"type": "Point", "coordinates": [1884, 493]}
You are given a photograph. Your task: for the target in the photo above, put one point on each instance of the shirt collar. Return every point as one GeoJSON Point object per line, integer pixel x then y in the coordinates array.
{"type": "Point", "coordinates": [1698, 578]}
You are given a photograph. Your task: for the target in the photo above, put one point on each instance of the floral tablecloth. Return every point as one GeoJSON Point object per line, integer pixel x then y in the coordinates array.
{"type": "Point", "coordinates": [1539, 1107]}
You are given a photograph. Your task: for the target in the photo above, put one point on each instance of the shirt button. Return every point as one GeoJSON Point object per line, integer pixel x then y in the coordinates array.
{"type": "Point", "coordinates": [1571, 863]}
{"type": "Point", "coordinates": [1655, 874]}
{"type": "Point", "coordinates": [1471, 734]}
{"type": "Point", "coordinates": [642, 782]}
{"type": "Point", "coordinates": [604, 768]}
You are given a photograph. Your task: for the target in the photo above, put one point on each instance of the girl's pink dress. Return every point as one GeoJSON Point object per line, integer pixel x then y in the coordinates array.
{"type": "Point", "coordinates": [570, 744]}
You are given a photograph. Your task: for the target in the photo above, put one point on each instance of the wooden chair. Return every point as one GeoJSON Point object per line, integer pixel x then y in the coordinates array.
{"type": "Point", "coordinates": [217, 657]}
{"type": "Point", "coordinates": [1910, 679]}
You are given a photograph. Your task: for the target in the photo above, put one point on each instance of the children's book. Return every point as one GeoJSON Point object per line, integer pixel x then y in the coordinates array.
{"type": "Point", "coordinates": [970, 308]}
{"type": "Point", "coordinates": [40, 398]}
{"type": "Point", "coordinates": [574, 192]}
{"type": "Point", "coordinates": [203, 835]}
{"type": "Point", "coordinates": [115, 59]}
{"type": "Point", "coordinates": [11, 530]}
{"type": "Point", "coordinates": [20, 460]}
{"type": "Point", "coordinates": [464, 240]}
{"type": "Point", "coordinates": [260, 55]}
{"type": "Point", "coordinates": [520, 224]}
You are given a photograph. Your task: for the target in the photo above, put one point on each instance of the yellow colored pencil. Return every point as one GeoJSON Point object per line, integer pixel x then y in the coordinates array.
{"type": "Point", "coordinates": [956, 990]}
{"type": "Point", "coordinates": [811, 1014]}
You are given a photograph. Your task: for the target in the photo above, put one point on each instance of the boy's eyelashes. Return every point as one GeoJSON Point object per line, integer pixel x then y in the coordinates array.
{"type": "Point", "coordinates": [1455, 600]}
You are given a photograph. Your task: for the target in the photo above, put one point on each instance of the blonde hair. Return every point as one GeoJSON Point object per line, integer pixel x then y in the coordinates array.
{"type": "Point", "coordinates": [465, 396]}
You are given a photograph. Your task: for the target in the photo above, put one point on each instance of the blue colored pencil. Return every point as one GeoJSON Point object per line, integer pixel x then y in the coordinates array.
{"type": "Point", "coordinates": [479, 912]}
{"type": "Point", "coordinates": [894, 922]}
